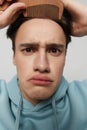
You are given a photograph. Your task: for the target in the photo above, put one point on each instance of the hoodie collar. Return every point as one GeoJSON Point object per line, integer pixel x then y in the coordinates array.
{"type": "Point", "coordinates": [14, 94]}
{"type": "Point", "coordinates": [16, 97]}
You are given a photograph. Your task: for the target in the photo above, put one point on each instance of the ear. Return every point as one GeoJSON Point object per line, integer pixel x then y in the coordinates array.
{"type": "Point", "coordinates": [14, 61]}
{"type": "Point", "coordinates": [65, 60]}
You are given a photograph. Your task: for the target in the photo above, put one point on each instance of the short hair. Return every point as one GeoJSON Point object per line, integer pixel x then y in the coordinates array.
{"type": "Point", "coordinates": [65, 23]}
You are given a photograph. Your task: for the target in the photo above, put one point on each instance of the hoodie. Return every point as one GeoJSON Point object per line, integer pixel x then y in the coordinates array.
{"type": "Point", "coordinates": [65, 110]}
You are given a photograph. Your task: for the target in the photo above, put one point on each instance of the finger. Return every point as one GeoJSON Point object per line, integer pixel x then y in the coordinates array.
{"type": "Point", "coordinates": [15, 17]}
{"type": "Point", "coordinates": [1, 12]}
{"type": "Point", "coordinates": [78, 30]}
{"type": "Point", "coordinates": [7, 16]}
{"type": "Point", "coordinates": [11, 10]}
{"type": "Point", "coordinates": [1, 2]}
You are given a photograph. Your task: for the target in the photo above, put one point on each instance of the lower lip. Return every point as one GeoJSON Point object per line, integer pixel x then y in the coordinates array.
{"type": "Point", "coordinates": [40, 82]}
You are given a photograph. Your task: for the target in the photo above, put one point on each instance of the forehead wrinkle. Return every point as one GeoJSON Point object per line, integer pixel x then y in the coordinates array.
{"type": "Point", "coordinates": [44, 41]}
{"type": "Point", "coordinates": [35, 33]}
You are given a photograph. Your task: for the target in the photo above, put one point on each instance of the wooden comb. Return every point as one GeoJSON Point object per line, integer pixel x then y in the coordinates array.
{"type": "Point", "coordinates": [52, 9]}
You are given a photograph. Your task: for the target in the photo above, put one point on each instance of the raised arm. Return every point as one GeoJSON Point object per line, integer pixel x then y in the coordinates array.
{"type": "Point", "coordinates": [78, 12]}
{"type": "Point", "coordinates": [11, 13]}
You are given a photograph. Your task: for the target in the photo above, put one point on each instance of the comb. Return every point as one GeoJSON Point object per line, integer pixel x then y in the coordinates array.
{"type": "Point", "coordinates": [52, 9]}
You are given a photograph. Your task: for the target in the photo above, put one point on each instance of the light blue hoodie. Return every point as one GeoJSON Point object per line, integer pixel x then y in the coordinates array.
{"type": "Point", "coordinates": [65, 110]}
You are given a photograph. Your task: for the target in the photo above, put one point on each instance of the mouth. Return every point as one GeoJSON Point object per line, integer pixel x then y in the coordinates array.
{"type": "Point", "coordinates": [40, 80]}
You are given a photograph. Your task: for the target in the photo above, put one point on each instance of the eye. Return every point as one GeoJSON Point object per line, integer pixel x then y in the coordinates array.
{"type": "Point", "coordinates": [54, 51]}
{"type": "Point", "coordinates": [28, 50]}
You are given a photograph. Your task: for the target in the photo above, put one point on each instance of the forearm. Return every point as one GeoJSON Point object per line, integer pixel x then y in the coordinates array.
{"type": "Point", "coordinates": [78, 13]}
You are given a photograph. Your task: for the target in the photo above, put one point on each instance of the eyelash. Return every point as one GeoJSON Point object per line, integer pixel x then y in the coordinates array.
{"type": "Point", "coordinates": [28, 49]}
{"type": "Point", "coordinates": [54, 51]}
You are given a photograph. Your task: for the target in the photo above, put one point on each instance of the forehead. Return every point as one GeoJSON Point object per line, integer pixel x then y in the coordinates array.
{"type": "Point", "coordinates": [38, 30]}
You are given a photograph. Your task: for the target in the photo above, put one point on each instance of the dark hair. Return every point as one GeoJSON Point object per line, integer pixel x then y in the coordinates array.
{"type": "Point", "coordinates": [64, 23]}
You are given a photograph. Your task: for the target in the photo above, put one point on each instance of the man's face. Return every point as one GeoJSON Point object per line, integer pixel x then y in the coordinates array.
{"type": "Point", "coordinates": [40, 48]}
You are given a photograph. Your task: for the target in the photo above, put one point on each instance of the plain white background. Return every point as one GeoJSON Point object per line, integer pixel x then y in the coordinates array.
{"type": "Point", "coordinates": [76, 59]}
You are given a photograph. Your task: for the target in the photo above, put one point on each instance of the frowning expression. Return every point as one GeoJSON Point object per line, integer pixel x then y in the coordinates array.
{"type": "Point", "coordinates": [40, 47]}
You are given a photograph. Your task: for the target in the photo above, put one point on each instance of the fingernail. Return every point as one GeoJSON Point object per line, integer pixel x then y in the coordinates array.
{"type": "Point", "coordinates": [1, 1]}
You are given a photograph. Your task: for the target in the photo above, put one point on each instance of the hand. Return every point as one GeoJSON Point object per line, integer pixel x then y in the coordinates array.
{"type": "Point", "coordinates": [79, 17]}
{"type": "Point", "coordinates": [11, 13]}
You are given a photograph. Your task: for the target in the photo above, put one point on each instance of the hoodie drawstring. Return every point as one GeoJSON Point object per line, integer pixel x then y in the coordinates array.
{"type": "Point", "coordinates": [18, 114]}
{"type": "Point", "coordinates": [17, 122]}
{"type": "Point", "coordinates": [55, 114]}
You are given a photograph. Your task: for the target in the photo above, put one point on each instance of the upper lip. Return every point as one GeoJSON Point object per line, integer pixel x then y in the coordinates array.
{"type": "Point", "coordinates": [41, 78]}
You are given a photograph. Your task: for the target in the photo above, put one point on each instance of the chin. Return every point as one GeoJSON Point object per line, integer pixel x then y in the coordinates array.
{"type": "Point", "coordinates": [42, 95]}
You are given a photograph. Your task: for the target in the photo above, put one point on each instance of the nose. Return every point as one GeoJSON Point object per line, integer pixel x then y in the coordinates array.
{"type": "Point", "coordinates": [41, 63]}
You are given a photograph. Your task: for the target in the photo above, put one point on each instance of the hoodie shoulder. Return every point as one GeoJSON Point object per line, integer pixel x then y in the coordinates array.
{"type": "Point", "coordinates": [78, 88]}
{"type": "Point", "coordinates": [77, 93]}
{"type": "Point", "coordinates": [3, 90]}
{"type": "Point", "coordinates": [6, 116]}
{"type": "Point", "coordinates": [4, 97]}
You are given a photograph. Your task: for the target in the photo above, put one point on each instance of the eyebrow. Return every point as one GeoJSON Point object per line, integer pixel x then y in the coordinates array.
{"type": "Point", "coordinates": [57, 45]}
{"type": "Point", "coordinates": [28, 44]}
{"type": "Point", "coordinates": [61, 46]}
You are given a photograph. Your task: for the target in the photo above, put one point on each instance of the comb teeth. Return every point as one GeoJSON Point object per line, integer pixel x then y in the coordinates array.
{"type": "Point", "coordinates": [43, 11]}
{"type": "Point", "coordinates": [52, 9]}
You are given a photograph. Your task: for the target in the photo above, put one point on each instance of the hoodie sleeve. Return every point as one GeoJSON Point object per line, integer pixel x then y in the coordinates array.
{"type": "Point", "coordinates": [6, 120]}
{"type": "Point", "coordinates": [77, 94]}
{"type": "Point", "coordinates": [78, 91]}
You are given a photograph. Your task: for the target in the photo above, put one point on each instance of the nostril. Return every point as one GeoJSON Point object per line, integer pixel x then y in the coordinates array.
{"type": "Point", "coordinates": [42, 67]}
{"type": "Point", "coordinates": [42, 70]}
{"type": "Point", "coordinates": [41, 62]}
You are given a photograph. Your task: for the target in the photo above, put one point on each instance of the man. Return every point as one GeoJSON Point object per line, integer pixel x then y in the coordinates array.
{"type": "Point", "coordinates": [39, 97]}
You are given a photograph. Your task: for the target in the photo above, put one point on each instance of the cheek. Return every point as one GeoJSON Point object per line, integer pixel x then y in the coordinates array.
{"type": "Point", "coordinates": [57, 69]}
{"type": "Point", "coordinates": [23, 65]}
